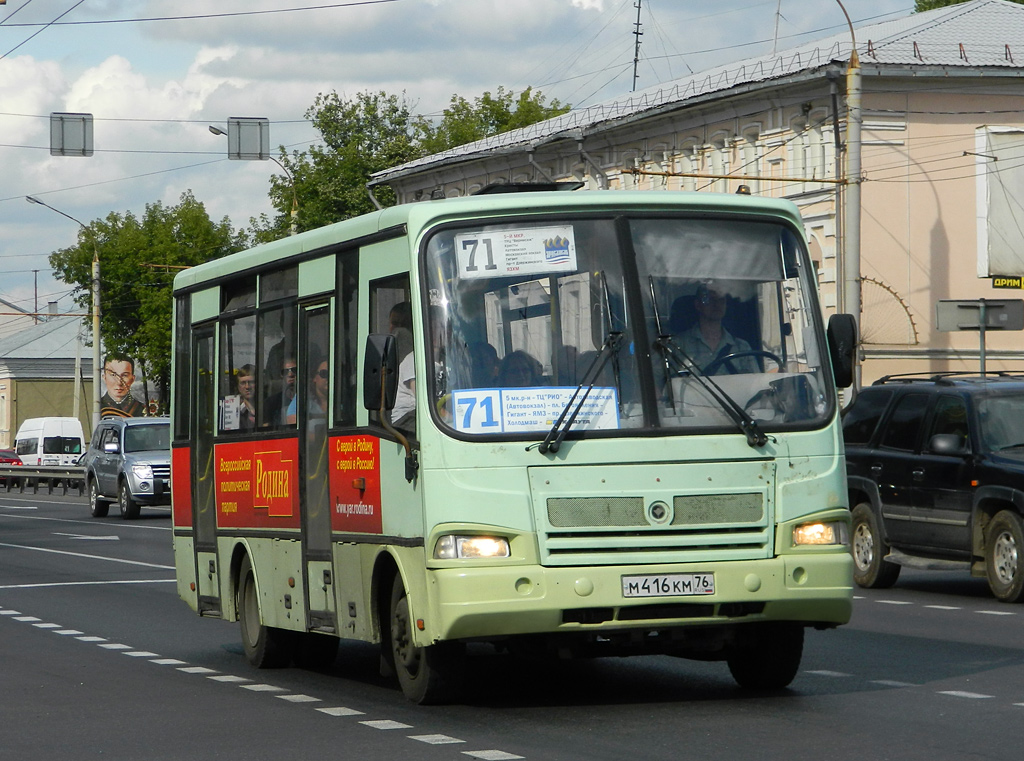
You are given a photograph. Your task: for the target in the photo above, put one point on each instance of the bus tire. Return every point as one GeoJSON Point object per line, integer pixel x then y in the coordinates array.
{"type": "Point", "coordinates": [1004, 548]}
{"type": "Point", "coordinates": [128, 506]}
{"type": "Point", "coordinates": [870, 568]}
{"type": "Point", "coordinates": [265, 647]}
{"type": "Point", "coordinates": [98, 507]}
{"type": "Point", "coordinates": [767, 656]}
{"type": "Point", "coordinates": [427, 675]}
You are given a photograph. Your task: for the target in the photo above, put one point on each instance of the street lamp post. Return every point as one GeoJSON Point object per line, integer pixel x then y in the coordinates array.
{"type": "Point", "coordinates": [293, 223]}
{"type": "Point", "coordinates": [97, 351]}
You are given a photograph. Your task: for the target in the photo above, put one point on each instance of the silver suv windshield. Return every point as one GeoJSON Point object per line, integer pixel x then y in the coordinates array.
{"type": "Point", "coordinates": [520, 311]}
{"type": "Point", "coordinates": [147, 438]}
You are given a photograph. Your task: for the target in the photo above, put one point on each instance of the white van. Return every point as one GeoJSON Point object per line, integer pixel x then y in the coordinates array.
{"type": "Point", "coordinates": [49, 441]}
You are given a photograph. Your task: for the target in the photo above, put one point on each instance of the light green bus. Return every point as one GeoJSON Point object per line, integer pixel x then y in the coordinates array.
{"type": "Point", "coordinates": [573, 423]}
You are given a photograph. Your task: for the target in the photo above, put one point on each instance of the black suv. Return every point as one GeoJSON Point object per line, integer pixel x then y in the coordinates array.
{"type": "Point", "coordinates": [936, 473]}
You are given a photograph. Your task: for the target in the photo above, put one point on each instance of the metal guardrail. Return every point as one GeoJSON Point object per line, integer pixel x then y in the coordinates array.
{"type": "Point", "coordinates": [29, 478]}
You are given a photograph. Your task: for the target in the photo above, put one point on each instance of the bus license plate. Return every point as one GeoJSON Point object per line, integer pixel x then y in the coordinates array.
{"type": "Point", "coordinates": [668, 585]}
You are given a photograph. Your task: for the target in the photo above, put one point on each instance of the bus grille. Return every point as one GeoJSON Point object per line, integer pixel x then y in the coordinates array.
{"type": "Point", "coordinates": [618, 530]}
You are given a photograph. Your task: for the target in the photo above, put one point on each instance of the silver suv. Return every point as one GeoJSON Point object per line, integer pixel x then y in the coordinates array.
{"type": "Point", "coordinates": [128, 460]}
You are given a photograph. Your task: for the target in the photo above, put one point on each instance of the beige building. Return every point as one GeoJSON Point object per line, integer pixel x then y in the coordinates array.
{"type": "Point", "coordinates": [941, 149]}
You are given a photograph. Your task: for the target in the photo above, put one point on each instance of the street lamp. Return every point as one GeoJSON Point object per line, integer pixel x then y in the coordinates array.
{"type": "Point", "coordinates": [97, 361]}
{"type": "Point", "coordinates": [292, 225]}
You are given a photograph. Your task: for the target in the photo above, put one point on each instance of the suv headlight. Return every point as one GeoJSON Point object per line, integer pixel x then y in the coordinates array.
{"type": "Point", "coordinates": [142, 472]}
{"type": "Point", "coordinates": [821, 533]}
{"type": "Point", "coordinates": [454, 546]}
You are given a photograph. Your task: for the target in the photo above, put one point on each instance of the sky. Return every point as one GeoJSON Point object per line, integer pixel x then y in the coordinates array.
{"type": "Point", "coordinates": [155, 74]}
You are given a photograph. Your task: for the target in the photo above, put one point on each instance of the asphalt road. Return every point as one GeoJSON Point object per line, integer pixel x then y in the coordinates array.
{"type": "Point", "coordinates": [100, 659]}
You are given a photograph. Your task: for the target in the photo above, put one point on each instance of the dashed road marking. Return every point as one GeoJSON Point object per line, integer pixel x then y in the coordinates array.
{"type": "Point", "coordinates": [894, 602]}
{"type": "Point", "coordinates": [892, 683]}
{"type": "Point", "coordinates": [141, 654]}
{"type": "Point", "coordinates": [436, 739]}
{"type": "Point", "coordinates": [490, 755]}
{"type": "Point", "coordinates": [997, 613]}
{"type": "Point", "coordinates": [167, 662]}
{"type": "Point", "coordinates": [962, 694]}
{"type": "Point", "coordinates": [386, 724]}
{"type": "Point", "coordinates": [340, 711]}
{"type": "Point", "coordinates": [263, 688]}
{"type": "Point", "coordinates": [230, 678]}
{"type": "Point", "coordinates": [824, 672]}
{"type": "Point", "coordinates": [197, 670]}
{"type": "Point", "coordinates": [299, 698]}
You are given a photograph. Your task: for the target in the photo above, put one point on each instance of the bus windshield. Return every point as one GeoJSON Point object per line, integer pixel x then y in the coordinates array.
{"type": "Point", "coordinates": [638, 323]}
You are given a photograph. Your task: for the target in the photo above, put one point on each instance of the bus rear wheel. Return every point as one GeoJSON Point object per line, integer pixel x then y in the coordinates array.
{"type": "Point", "coordinates": [767, 656]}
{"type": "Point", "coordinates": [427, 675]}
{"type": "Point", "coordinates": [265, 647]}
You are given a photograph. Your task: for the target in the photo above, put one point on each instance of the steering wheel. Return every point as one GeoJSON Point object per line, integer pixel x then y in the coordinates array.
{"type": "Point", "coordinates": [713, 366]}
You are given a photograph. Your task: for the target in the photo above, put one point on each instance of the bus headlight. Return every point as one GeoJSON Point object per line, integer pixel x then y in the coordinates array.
{"type": "Point", "coordinates": [820, 533]}
{"type": "Point", "coordinates": [453, 546]}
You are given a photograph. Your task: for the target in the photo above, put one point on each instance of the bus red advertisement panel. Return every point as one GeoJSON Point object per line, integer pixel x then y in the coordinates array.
{"type": "Point", "coordinates": [355, 484]}
{"type": "Point", "coordinates": [257, 484]}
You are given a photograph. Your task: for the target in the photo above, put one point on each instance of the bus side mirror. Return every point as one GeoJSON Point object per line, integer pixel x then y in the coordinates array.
{"type": "Point", "coordinates": [842, 343]}
{"type": "Point", "coordinates": [380, 372]}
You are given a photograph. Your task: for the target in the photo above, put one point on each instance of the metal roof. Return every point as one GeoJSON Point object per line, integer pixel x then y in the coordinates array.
{"type": "Point", "coordinates": [51, 339]}
{"type": "Point", "coordinates": [980, 34]}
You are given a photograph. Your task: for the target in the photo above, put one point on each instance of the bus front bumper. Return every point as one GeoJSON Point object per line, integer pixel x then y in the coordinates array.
{"type": "Point", "coordinates": [493, 602]}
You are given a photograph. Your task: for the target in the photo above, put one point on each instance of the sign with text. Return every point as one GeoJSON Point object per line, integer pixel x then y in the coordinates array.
{"type": "Point", "coordinates": [522, 410]}
{"type": "Point", "coordinates": [355, 484]}
{"type": "Point", "coordinates": [257, 484]}
{"type": "Point", "coordinates": [524, 251]}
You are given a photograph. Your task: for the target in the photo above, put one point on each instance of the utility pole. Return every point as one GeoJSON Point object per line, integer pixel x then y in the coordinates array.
{"type": "Point", "coordinates": [636, 48]}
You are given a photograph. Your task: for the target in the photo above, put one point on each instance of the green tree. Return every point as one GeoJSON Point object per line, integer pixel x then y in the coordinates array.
{"type": "Point", "coordinates": [138, 260]}
{"type": "Point", "coordinates": [373, 132]}
{"type": "Point", "coordinates": [930, 5]}
{"type": "Point", "coordinates": [464, 122]}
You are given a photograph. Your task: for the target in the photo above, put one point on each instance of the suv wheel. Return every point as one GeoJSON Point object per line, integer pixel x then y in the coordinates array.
{"type": "Point", "coordinates": [129, 507]}
{"type": "Point", "coordinates": [97, 506]}
{"type": "Point", "coordinates": [870, 568]}
{"type": "Point", "coordinates": [1004, 544]}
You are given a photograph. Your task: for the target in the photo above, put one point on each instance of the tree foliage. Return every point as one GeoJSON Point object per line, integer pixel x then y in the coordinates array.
{"type": "Point", "coordinates": [929, 5]}
{"type": "Point", "coordinates": [138, 259]}
{"type": "Point", "coordinates": [373, 132]}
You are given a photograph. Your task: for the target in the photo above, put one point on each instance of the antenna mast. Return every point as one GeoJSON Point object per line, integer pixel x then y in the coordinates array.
{"type": "Point", "coordinates": [636, 48]}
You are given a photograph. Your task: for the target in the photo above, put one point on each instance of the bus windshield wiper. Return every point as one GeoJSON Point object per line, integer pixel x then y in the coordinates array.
{"type": "Point", "coordinates": [556, 435]}
{"type": "Point", "coordinates": [673, 354]}
{"type": "Point", "coordinates": [609, 350]}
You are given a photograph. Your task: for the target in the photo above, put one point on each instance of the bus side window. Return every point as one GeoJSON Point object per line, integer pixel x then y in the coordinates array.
{"type": "Point", "coordinates": [238, 374]}
{"type": "Point", "coordinates": [279, 368]}
{"type": "Point", "coordinates": [391, 312]}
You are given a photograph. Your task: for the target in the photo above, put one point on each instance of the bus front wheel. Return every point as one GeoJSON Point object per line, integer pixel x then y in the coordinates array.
{"type": "Point", "coordinates": [265, 646]}
{"type": "Point", "coordinates": [427, 675]}
{"type": "Point", "coordinates": [768, 656]}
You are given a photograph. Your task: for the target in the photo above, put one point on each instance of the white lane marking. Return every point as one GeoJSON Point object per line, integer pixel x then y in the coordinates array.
{"type": "Point", "coordinates": [67, 631]}
{"type": "Point", "coordinates": [893, 602]}
{"type": "Point", "coordinates": [9, 612]}
{"type": "Point", "coordinates": [299, 698]}
{"type": "Point", "coordinates": [91, 639]}
{"type": "Point", "coordinates": [18, 507]}
{"type": "Point", "coordinates": [92, 557]}
{"type": "Point", "coordinates": [264, 688]}
{"type": "Point", "coordinates": [116, 646]}
{"type": "Point", "coordinates": [942, 607]}
{"type": "Point", "coordinates": [126, 525]}
{"type": "Point", "coordinates": [340, 711]}
{"type": "Point", "coordinates": [229, 678]}
{"type": "Point", "coordinates": [141, 654]}
{"type": "Point", "coordinates": [963, 694]}
{"type": "Point", "coordinates": [197, 670]}
{"type": "Point", "coordinates": [86, 583]}
{"type": "Point", "coordinates": [997, 612]}
{"type": "Point", "coordinates": [436, 739]}
{"type": "Point", "coordinates": [824, 672]}
{"type": "Point", "coordinates": [109, 538]}
{"type": "Point", "coordinates": [167, 662]}
{"type": "Point", "coordinates": [490, 755]}
{"type": "Point", "coordinates": [385, 724]}
{"type": "Point", "coordinates": [47, 626]}
{"type": "Point", "coordinates": [27, 619]}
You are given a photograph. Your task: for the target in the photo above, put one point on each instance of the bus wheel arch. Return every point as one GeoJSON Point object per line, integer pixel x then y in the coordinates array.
{"type": "Point", "coordinates": [265, 646]}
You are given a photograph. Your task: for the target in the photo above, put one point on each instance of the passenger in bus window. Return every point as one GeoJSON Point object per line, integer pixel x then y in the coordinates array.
{"type": "Point", "coordinates": [245, 380]}
{"type": "Point", "coordinates": [483, 364]}
{"type": "Point", "coordinates": [519, 370]}
{"type": "Point", "coordinates": [318, 386]}
{"type": "Point", "coordinates": [707, 340]}
{"type": "Point", "coordinates": [277, 404]}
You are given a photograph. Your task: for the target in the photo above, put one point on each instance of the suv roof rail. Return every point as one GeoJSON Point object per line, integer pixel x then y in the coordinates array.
{"type": "Point", "coordinates": [949, 376]}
